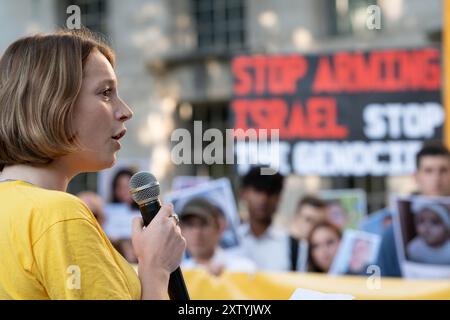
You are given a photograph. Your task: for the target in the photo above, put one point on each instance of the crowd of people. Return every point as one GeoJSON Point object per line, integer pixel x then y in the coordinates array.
{"type": "Point", "coordinates": [315, 232]}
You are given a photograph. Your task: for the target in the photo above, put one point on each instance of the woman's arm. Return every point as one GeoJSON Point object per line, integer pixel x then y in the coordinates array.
{"type": "Point", "coordinates": [154, 283]}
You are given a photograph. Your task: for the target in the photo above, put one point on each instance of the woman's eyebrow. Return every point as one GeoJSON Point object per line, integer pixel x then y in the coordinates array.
{"type": "Point", "coordinates": [110, 82]}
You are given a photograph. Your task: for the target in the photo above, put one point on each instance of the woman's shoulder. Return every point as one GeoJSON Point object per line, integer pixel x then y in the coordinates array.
{"type": "Point", "coordinates": [50, 205]}
{"type": "Point", "coordinates": [65, 205]}
{"type": "Point", "coordinates": [29, 212]}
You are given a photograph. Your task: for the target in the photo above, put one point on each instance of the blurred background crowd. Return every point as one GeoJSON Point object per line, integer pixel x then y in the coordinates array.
{"type": "Point", "coordinates": [322, 236]}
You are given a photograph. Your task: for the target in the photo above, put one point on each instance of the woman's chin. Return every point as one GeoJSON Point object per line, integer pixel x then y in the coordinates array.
{"type": "Point", "coordinates": [111, 161]}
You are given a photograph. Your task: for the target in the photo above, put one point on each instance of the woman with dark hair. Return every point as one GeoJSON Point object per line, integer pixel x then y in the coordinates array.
{"type": "Point", "coordinates": [323, 244]}
{"type": "Point", "coordinates": [119, 188]}
{"type": "Point", "coordinates": [120, 195]}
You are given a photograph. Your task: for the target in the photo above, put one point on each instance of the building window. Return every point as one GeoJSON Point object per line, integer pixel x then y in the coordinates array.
{"type": "Point", "coordinates": [349, 16]}
{"type": "Point", "coordinates": [212, 115]}
{"type": "Point", "coordinates": [93, 14]}
{"type": "Point", "coordinates": [220, 24]}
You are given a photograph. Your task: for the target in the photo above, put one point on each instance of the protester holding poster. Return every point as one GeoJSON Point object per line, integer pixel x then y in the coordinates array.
{"type": "Point", "coordinates": [323, 244]}
{"type": "Point", "coordinates": [433, 179]}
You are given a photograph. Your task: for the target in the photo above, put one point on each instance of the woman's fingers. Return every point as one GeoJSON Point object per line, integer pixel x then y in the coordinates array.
{"type": "Point", "coordinates": [161, 242]}
{"type": "Point", "coordinates": [136, 228]}
{"type": "Point", "coordinates": [165, 211]}
{"type": "Point", "coordinates": [136, 225]}
{"type": "Point", "coordinates": [175, 219]}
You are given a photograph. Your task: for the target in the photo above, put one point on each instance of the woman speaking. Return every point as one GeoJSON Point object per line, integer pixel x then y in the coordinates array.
{"type": "Point", "coordinates": [60, 115]}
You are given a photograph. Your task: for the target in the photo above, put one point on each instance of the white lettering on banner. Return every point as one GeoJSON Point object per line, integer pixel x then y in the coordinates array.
{"type": "Point", "coordinates": [270, 154]}
{"type": "Point", "coordinates": [332, 158]}
{"type": "Point", "coordinates": [355, 158]}
{"type": "Point", "coordinates": [412, 120]}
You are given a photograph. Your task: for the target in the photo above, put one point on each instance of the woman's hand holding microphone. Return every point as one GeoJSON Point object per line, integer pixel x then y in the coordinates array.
{"type": "Point", "coordinates": [159, 248]}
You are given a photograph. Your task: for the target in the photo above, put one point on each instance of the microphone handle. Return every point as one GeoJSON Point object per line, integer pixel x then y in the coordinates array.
{"type": "Point", "coordinates": [177, 287]}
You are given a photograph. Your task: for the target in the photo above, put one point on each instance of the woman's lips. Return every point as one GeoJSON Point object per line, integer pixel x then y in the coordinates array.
{"type": "Point", "coordinates": [120, 134]}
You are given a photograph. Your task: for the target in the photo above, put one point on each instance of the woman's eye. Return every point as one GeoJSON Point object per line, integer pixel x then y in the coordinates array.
{"type": "Point", "coordinates": [107, 92]}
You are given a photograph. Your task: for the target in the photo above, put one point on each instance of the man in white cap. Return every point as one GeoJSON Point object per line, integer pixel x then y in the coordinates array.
{"type": "Point", "coordinates": [202, 225]}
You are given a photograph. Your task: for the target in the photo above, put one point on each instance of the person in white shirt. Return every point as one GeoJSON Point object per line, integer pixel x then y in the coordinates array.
{"type": "Point", "coordinates": [202, 225]}
{"type": "Point", "coordinates": [270, 247]}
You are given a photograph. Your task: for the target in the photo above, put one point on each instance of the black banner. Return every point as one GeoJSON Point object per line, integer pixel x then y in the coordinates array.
{"type": "Point", "coordinates": [346, 113]}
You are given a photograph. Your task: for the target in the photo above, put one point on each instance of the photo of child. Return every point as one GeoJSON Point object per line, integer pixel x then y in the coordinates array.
{"type": "Point", "coordinates": [432, 224]}
{"type": "Point", "coordinates": [422, 236]}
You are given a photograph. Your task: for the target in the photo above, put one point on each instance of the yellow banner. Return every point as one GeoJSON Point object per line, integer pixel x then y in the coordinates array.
{"type": "Point", "coordinates": [280, 286]}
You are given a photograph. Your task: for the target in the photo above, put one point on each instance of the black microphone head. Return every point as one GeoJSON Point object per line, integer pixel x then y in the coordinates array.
{"type": "Point", "coordinates": [144, 187]}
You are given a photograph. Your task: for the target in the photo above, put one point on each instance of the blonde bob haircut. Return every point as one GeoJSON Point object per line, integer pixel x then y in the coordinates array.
{"type": "Point", "coordinates": [40, 79]}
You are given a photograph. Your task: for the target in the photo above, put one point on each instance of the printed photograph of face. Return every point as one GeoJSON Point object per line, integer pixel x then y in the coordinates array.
{"type": "Point", "coordinates": [357, 251]}
{"type": "Point", "coordinates": [425, 226]}
{"type": "Point", "coordinates": [360, 257]}
{"type": "Point", "coordinates": [346, 208]}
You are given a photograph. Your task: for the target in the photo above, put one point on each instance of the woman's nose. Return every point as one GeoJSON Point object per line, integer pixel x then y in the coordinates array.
{"type": "Point", "coordinates": [124, 112]}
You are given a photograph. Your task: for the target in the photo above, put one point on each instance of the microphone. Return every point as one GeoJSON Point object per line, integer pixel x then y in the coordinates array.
{"type": "Point", "coordinates": [144, 189]}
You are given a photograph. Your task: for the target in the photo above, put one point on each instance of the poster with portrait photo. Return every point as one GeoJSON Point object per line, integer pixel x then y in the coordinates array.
{"type": "Point", "coordinates": [184, 182]}
{"type": "Point", "coordinates": [357, 251]}
{"type": "Point", "coordinates": [220, 194]}
{"type": "Point", "coordinates": [346, 207]}
{"type": "Point", "coordinates": [422, 236]}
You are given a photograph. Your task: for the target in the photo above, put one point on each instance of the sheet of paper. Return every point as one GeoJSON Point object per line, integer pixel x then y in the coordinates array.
{"type": "Point", "coordinates": [305, 294]}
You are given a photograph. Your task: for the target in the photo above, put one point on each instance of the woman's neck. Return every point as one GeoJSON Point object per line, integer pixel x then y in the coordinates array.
{"type": "Point", "coordinates": [53, 176]}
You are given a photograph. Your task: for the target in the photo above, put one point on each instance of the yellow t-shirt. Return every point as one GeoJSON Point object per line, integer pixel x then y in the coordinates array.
{"type": "Point", "coordinates": [51, 247]}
